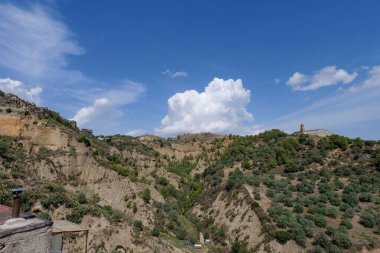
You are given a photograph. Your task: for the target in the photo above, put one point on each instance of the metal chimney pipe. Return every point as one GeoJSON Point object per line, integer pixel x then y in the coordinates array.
{"type": "Point", "coordinates": [16, 202]}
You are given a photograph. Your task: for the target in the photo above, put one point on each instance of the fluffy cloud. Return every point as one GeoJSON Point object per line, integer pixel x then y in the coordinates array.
{"type": "Point", "coordinates": [93, 112]}
{"type": "Point", "coordinates": [18, 88]}
{"type": "Point", "coordinates": [175, 74]}
{"type": "Point", "coordinates": [219, 108]}
{"type": "Point", "coordinates": [327, 76]}
{"type": "Point", "coordinates": [35, 44]}
{"type": "Point", "coordinates": [106, 109]}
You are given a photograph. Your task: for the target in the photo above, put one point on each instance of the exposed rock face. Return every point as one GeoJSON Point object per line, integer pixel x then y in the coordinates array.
{"type": "Point", "coordinates": [32, 131]}
{"type": "Point", "coordinates": [10, 125]}
{"type": "Point", "coordinates": [242, 223]}
{"type": "Point", "coordinates": [235, 214]}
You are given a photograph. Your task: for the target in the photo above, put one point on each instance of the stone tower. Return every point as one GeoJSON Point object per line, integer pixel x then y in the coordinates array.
{"type": "Point", "coordinates": [302, 128]}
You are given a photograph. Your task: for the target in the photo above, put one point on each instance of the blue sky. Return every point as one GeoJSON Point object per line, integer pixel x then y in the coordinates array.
{"type": "Point", "coordinates": [170, 67]}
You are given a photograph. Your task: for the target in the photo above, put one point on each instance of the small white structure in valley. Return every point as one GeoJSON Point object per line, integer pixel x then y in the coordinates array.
{"type": "Point", "coordinates": [197, 246]}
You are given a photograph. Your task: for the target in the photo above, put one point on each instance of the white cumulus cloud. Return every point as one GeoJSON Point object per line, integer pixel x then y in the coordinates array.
{"type": "Point", "coordinates": [93, 112]}
{"type": "Point", "coordinates": [327, 76]}
{"type": "Point", "coordinates": [106, 108]}
{"type": "Point", "coordinates": [18, 88]}
{"type": "Point", "coordinates": [221, 107]}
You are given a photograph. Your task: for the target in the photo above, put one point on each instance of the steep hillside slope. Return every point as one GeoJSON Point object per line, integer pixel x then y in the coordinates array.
{"type": "Point", "coordinates": [320, 193]}
{"type": "Point", "coordinates": [272, 192]}
{"type": "Point", "coordinates": [107, 185]}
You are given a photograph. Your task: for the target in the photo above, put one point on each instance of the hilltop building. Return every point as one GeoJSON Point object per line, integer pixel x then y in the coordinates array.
{"type": "Point", "coordinates": [87, 132]}
{"type": "Point", "coordinates": [315, 132]}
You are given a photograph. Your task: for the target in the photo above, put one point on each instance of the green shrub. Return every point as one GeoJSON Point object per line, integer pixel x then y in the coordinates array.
{"type": "Point", "coordinates": [365, 197]}
{"type": "Point", "coordinates": [320, 221]}
{"type": "Point", "coordinates": [180, 233]}
{"type": "Point", "coordinates": [182, 168]}
{"type": "Point", "coordinates": [235, 180]}
{"type": "Point", "coordinates": [155, 232]}
{"type": "Point", "coordinates": [338, 184]}
{"type": "Point", "coordinates": [44, 215]}
{"type": "Point", "coordinates": [282, 236]}
{"type": "Point", "coordinates": [137, 225]}
{"type": "Point", "coordinates": [5, 196]}
{"type": "Point", "coordinates": [238, 247]}
{"type": "Point", "coordinates": [54, 200]}
{"type": "Point", "coordinates": [335, 200]}
{"type": "Point", "coordinates": [112, 215]}
{"type": "Point", "coordinates": [318, 249]}
{"type": "Point", "coordinates": [82, 199]}
{"type": "Point", "coordinates": [85, 140]}
{"type": "Point", "coordinates": [282, 221]}
{"type": "Point", "coordinates": [45, 153]}
{"type": "Point", "coordinates": [342, 240]}
{"type": "Point", "coordinates": [254, 205]}
{"type": "Point", "coordinates": [346, 222]}
{"type": "Point", "coordinates": [331, 231]}
{"type": "Point", "coordinates": [80, 211]}
{"type": "Point", "coordinates": [332, 248]}
{"type": "Point", "coordinates": [245, 164]}
{"type": "Point", "coordinates": [270, 193]}
{"type": "Point", "coordinates": [339, 141]}
{"type": "Point", "coordinates": [350, 198]}
{"type": "Point", "coordinates": [163, 181]}
{"type": "Point", "coordinates": [349, 213]}
{"type": "Point", "coordinates": [298, 208]}
{"type": "Point", "coordinates": [307, 225]}
{"type": "Point", "coordinates": [220, 235]}
{"type": "Point", "coordinates": [145, 194]}
{"type": "Point", "coordinates": [322, 240]}
{"type": "Point", "coordinates": [367, 219]}
{"type": "Point", "coordinates": [298, 234]}
{"type": "Point", "coordinates": [331, 212]}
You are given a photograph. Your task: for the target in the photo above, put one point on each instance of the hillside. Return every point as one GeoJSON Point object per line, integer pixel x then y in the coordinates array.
{"type": "Point", "coordinates": [272, 192]}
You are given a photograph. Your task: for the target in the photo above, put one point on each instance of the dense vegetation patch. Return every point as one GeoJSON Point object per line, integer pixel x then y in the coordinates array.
{"type": "Point", "coordinates": [311, 182]}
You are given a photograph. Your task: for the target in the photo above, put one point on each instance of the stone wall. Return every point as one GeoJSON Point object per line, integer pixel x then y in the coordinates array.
{"type": "Point", "coordinates": [318, 133]}
{"type": "Point", "coordinates": [32, 241]}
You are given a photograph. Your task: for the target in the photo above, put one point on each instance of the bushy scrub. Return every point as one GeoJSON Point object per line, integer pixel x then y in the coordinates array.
{"type": "Point", "coordinates": [322, 240]}
{"type": "Point", "coordinates": [235, 180]}
{"type": "Point", "coordinates": [320, 221]}
{"type": "Point", "coordinates": [282, 236]}
{"type": "Point", "coordinates": [137, 225]}
{"type": "Point", "coordinates": [145, 194]}
{"type": "Point", "coordinates": [367, 219]}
